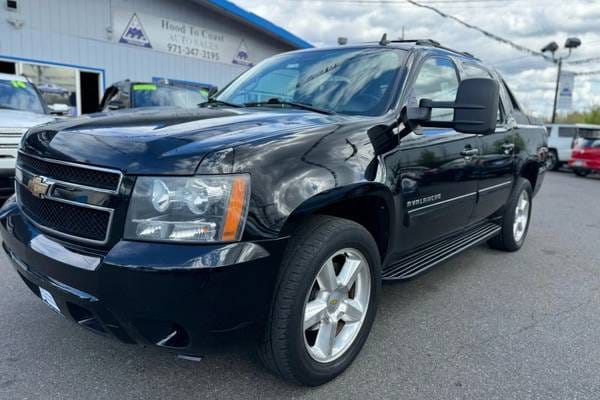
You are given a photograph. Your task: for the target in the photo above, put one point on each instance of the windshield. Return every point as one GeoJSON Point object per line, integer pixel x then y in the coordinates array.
{"type": "Point", "coordinates": [151, 95]}
{"type": "Point", "coordinates": [19, 95]}
{"type": "Point", "coordinates": [346, 81]}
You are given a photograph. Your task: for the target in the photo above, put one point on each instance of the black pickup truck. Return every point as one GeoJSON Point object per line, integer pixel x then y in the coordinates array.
{"type": "Point", "coordinates": [271, 214]}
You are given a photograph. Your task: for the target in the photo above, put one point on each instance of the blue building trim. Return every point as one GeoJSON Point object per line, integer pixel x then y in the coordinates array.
{"type": "Point", "coordinates": [261, 23]}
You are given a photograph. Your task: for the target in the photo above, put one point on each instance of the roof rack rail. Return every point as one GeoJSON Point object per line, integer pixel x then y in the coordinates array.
{"type": "Point", "coordinates": [427, 42]}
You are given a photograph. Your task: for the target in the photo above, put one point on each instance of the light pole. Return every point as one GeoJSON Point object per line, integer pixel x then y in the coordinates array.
{"type": "Point", "coordinates": [552, 47]}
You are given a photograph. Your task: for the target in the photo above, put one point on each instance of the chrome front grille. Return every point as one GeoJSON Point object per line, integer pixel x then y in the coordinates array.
{"type": "Point", "coordinates": [66, 199]}
{"type": "Point", "coordinates": [93, 177]}
{"type": "Point", "coordinates": [12, 131]}
{"type": "Point", "coordinates": [64, 218]}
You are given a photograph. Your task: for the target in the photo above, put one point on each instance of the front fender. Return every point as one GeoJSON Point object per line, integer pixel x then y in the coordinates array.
{"type": "Point", "coordinates": [327, 199]}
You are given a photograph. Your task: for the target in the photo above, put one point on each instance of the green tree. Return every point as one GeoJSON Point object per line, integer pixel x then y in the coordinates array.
{"type": "Point", "coordinates": [591, 116]}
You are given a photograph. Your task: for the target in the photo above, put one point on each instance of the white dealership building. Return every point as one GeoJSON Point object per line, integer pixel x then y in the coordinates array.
{"type": "Point", "coordinates": [74, 49]}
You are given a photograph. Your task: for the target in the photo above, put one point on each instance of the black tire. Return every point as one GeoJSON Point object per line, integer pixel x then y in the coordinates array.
{"type": "Point", "coordinates": [283, 350]}
{"type": "Point", "coordinates": [552, 162]}
{"type": "Point", "coordinates": [505, 240]}
{"type": "Point", "coordinates": [581, 172]}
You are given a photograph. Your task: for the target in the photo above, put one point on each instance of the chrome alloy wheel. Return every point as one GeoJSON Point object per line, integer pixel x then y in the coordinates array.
{"type": "Point", "coordinates": [521, 216]}
{"type": "Point", "coordinates": [336, 305]}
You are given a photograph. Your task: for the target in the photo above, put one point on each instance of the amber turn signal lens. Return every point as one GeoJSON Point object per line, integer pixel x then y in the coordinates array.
{"type": "Point", "coordinates": [235, 211]}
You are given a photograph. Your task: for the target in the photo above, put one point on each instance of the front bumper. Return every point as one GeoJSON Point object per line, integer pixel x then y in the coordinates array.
{"type": "Point", "coordinates": [186, 298]}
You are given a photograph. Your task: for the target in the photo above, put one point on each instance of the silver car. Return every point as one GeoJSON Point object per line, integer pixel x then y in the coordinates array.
{"type": "Point", "coordinates": [21, 108]}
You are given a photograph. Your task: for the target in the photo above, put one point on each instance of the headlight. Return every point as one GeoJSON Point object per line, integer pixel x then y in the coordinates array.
{"type": "Point", "coordinates": [209, 208]}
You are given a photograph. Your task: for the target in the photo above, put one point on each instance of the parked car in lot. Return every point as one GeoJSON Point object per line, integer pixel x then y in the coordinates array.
{"type": "Point", "coordinates": [271, 214]}
{"type": "Point", "coordinates": [127, 94]}
{"type": "Point", "coordinates": [585, 158]}
{"type": "Point", "coordinates": [560, 142]}
{"type": "Point", "coordinates": [59, 100]}
{"type": "Point", "coordinates": [21, 107]}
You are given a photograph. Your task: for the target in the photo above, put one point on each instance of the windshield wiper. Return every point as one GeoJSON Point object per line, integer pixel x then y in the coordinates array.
{"type": "Point", "coordinates": [213, 101]}
{"type": "Point", "coordinates": [278, 102]}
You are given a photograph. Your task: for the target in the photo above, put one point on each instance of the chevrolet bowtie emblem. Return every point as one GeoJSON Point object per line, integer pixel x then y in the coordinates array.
{"type": "Point", "coordinates": [37, 186]}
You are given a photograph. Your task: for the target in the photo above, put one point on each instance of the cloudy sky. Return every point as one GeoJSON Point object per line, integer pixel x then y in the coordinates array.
{"type": "Point", "coordinates": [531, 23]}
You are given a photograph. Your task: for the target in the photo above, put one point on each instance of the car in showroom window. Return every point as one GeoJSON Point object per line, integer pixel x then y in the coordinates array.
{"type": "Point", "coordinates": [126, 94]}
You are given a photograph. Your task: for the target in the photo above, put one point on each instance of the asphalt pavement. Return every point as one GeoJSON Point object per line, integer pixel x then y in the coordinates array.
{"type": "Point", "coordinates": [484, 325]}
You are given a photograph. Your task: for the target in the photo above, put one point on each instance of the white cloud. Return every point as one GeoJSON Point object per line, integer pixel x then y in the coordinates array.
{"type": "Point", "coordinates": [531, 23]}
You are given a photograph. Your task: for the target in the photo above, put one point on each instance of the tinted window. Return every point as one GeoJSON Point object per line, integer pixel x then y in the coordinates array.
{"type": "Point", "coordinates": [588, 143]}
{"type": "Point", "coordinates": [588, 138]}
{"type": "Point", "coordinates": [513, 100]}
{"type": "Point", "coordinates": [475, 71]}
{"type": "Point", "coordinates": [347, 81]}
{"type": "Point", "coordinates": [438, 81]}
{"type": "Point", "coordinates": [19, 95]}
{"type": "Point", "coordinates": [567, 131]}
{"type": "Point", "coordinates": [589, 133]}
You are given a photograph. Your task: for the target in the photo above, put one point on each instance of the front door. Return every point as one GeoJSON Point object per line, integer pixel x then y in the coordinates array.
{"type": "Point", "coordinates": [434, 169]}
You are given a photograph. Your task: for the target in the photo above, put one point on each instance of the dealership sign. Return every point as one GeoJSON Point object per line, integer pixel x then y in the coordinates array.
{"type": "Point", "coordinates": [565, 90]}
{"type": "Point", "coordinates": [180, 38]}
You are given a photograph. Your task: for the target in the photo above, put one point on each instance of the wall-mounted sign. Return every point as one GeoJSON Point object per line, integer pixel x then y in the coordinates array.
{"type": "Point", "coordinates": [179, 38]}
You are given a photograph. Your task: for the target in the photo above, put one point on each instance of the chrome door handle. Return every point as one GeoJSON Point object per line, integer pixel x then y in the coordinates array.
{"type": "Point", "coordinates": [469, 153]}
{"type": "Point", "coordinates": [508, 148]}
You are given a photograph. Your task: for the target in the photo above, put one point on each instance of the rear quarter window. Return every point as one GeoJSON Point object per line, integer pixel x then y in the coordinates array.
{"type": "Point", "coordinates": [475, 71]}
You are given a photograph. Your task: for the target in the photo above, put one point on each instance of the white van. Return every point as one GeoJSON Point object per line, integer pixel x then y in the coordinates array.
{"type": "Point", "coordinates": [560, 142]}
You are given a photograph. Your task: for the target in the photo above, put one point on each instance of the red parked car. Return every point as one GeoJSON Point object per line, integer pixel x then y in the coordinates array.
{"type": "Point", "coordinates": [585, 157]}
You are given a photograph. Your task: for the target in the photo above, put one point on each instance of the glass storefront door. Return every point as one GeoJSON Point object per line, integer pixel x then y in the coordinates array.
{"type": "Point", "coordinates": [58, 85]}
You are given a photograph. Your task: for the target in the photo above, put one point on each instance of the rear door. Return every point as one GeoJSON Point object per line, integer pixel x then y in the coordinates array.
{"type": "Point", "coordinates": [434, 168]}
{"type": "Point", "coordinates": [496, 154]}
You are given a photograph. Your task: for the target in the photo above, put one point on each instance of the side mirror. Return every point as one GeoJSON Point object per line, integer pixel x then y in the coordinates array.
{"type": "Point", "coordinates": [59, 109]}
{"type": "Point", "coordinates": [115, 105]}
{"type": "Point", "coordinates": [212, 91]}
{"type": "Point", "coordinates": [475, 108]}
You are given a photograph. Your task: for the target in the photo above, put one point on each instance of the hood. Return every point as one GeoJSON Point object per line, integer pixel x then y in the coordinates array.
{"type": "Point", "coordinates": [166, 141]}
{"type": "Point", "coordinates": [22, 119]}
